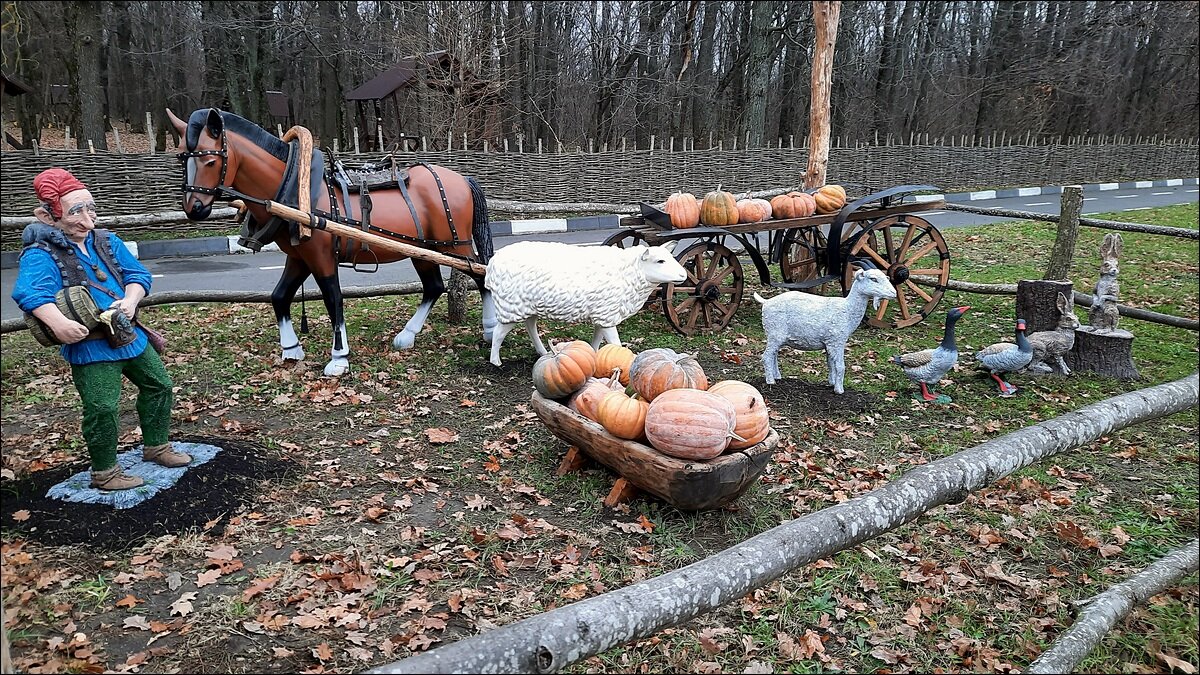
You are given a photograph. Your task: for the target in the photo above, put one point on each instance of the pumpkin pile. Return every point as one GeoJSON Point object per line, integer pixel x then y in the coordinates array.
{"type": "Point", "coordinates": [658, 397]}
{"type": "Point", "coordinates": [720, 209]}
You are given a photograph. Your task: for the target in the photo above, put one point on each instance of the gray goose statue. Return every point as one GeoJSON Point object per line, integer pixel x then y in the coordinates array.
{"type": "Point", "coordinates": [1006, 357]}
{"type": "Point", "coordinates": [928, 366]}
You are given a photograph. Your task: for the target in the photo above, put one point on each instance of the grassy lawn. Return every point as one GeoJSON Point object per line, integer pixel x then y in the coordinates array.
{"type": "Point", "coordinates": [386, 539]}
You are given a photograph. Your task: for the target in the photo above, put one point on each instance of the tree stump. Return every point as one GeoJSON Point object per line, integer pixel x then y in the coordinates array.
{"type": "Point", "coordinates": [456, 297]}
{"type": "Point", "coordinates": [1107, 353]}
{"type": "Point", "coordinates": [1036, 303]}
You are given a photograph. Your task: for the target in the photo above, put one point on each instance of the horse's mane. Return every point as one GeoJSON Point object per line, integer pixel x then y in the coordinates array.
{"type": "Point", "coordinates": [240, 126]}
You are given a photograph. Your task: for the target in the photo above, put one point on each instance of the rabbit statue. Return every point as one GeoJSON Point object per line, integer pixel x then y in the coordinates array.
{"type": "Point", "coordinates": [1049, 346]}
{"type": "Point", "coordinates": [1103, 314]}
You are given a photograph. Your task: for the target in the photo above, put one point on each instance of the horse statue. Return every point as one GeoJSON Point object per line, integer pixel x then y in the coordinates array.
{"type": "Point", "coordinates": [225, 156]}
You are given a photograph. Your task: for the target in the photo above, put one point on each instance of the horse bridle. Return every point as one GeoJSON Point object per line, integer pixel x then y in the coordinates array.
{"type": "Point", "coordinates": [223, 153]}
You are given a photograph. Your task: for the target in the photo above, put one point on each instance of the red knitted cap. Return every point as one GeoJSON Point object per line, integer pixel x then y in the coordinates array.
{"type": "Point", "coordinates": [52, 185]}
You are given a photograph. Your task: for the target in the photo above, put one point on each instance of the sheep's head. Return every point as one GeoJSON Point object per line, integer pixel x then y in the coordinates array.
{"type": "Point", "coordinates": [873, 284]}
{"type": "Point", "coordinates": [657, 263]}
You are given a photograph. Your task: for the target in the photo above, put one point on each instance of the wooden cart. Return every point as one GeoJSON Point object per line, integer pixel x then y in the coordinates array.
{"type": "Point", "coordinates": [814, 255]}
{"type": "Point", "coordinates": [685, 484]}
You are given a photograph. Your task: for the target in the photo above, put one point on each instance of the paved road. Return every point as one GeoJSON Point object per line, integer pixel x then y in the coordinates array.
{"type": "Point", "coordinates": [262, 270]}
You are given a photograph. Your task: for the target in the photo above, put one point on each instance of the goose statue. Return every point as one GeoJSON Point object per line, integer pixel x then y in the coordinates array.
{"type": "Point", "coordinates": [1006, 357]}
{"type": "Point", "coordinates": [928, 366]}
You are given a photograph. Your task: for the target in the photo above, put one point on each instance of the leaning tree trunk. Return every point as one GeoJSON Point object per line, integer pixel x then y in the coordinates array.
{"type": "Point", "coordinates": [553, 640]}
{"type": "Point", "coordinates": [1103, 612]}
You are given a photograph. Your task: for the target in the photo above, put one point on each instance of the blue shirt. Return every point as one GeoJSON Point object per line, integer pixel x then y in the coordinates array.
{"type": "Point", "coordinates": [39, 279]}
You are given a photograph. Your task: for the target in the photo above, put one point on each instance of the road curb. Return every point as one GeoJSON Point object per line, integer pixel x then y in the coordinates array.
{"type": "Point", "coordinates": [202, 246]}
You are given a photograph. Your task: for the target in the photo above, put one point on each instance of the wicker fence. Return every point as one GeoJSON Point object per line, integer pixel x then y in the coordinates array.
{"type": "Point", "coordinates": [128, 184]}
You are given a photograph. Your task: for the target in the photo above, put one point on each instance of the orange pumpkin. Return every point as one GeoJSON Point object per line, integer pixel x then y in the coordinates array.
{"type": "Point", "coordinates": [794, 204]}
{"type": "Point", "coordinates": [753, 423]}
{"type": "Point", "coordinates": [612, 357]}
{"type": "Point", "coordinates": [622, 416]}
{"type": "Point", "coordinates": [830, 199]}
{"type": "Point", "coordinates": [719, 209]}
{"type": "Point", "coordinates": [753, 210]}
{"type": "Point", "coordinates": [684, 209]}
{"type": "Point", "coordinates": [690, 424]}
{"type": "Point", "coordinates": [657, 370]}
{"type": "Point", "coordinates": [564, 369]}
{"type": "Point", "coordinates": [587, 399]}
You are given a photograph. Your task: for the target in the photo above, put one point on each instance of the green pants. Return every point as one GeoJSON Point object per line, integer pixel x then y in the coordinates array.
{"type": "Point", "coordinates": [99, 387]}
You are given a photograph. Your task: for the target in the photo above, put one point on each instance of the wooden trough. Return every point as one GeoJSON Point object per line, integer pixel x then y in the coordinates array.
{"type": "Point", "coordinates": [685, 484]}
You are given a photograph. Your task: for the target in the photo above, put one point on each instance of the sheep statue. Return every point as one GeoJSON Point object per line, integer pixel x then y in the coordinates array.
{"type": "Point", "coordinates": [601, 284]}
{"type": "Point", "coordinates": [810, 322]}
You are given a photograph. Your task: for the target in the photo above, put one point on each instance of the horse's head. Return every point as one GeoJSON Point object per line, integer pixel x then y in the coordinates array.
{"type": "Point", "coordinates": [204, 153]}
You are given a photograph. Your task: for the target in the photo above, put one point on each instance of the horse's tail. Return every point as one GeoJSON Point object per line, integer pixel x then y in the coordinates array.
{"type": "Point", "coordinates": [481, 227]}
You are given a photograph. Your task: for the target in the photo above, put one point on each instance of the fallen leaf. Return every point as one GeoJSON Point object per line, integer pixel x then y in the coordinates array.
{"type": "Point", "coordinates": [207, 577]}
{"type": "Point", "coordinates": [129, 601]}
{"type": "Point", "coordinates": [136, 621]}
{"type": "Point", "coordinates": [183, 606]}
{"type": "Point", "coordinates": [440, 435]}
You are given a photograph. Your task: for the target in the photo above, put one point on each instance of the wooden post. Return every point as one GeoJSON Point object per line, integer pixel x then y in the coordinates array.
{"type": "Point", "coordinates": [825, 20]}
{"type": "Point", "coordinates": [150, 131]}
{"type": "Point", "coordinates": [1063, 253]}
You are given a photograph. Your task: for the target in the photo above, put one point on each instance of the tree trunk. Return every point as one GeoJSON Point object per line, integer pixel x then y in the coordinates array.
{"type": "Point", "coordinates": [556, 639]}
{"type": "Point", "coordinates": [825, 20]}
{"type": "Point", "coordinates": [1036, 303]}
{"type": "Point", "coordinates": [1104, 611]}
{"type": "Point", "coordinates": [1108, 353]}
{"type": "Point", "coordinates": [761, 61]}
{"type": "Point", "coordinates": [89, 93]}
{"type": "Point", "coordinates": [1068, 230]}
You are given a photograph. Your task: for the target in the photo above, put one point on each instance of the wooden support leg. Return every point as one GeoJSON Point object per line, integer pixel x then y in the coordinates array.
{"type": "Point", "coordinates": [574, 460]}
{"type": "Point", "coordinates": [622, 491]}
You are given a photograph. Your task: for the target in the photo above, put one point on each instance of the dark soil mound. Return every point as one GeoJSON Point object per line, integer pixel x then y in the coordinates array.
{"type": "Point", "coordinates": [207, 492]}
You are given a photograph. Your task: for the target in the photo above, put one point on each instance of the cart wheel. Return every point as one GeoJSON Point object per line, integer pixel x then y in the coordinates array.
{"type": "Point", "coordinates": [904, 246]}
{"type": "Point", "coordinates": [805, 250]}
{"type": "Point", "coordinates": [624, 239]}
{"type": "Point", "coordinates": [709, 297]}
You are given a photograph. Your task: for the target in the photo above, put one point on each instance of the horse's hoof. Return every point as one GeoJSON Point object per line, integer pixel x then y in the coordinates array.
{"type": "Point", "coordinates": [337, 368]}
{"type": "Point", "coordinates": [404, 340]}
{"type": "Point", "coordinates": [293, 354]}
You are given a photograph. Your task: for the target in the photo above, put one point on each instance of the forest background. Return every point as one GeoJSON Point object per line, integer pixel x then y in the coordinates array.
{"type": "Point", "coordinates": [571, 72]}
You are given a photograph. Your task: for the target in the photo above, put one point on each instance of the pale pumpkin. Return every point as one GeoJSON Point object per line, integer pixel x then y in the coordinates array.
{"type": "Point", "coordinates": [587, 399]}
{"type": "Point", "coordinates": [719, 209]}
{"type": "Point", "coordinates": [690, 424]}
{"type": "Point", "coordinates": [753, 211]}
{"type": "Point", "coordinates": [611, 357]}
{"type": "Point", "coordinates": [753, 422]}
{"type": "Point", "coordinates": [657, 370]}
{"type": "Point", "coordinates": [793, 204]}
{"type": "Point", "coordinates": [830, 198]}
{"type": "Point", "coordinates": [622, 416]}
{"type": "Point", "coordinates": [684, 209]}
{"type": "Point", "coordinates": [564, 369]}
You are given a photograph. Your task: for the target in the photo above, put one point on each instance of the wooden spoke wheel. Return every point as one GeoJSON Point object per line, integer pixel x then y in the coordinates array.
{"type": "Point", "coordinates": [903, 246]}
{"type": "Point", "coordinates": [708, 298]}
{"type": "Point", "coordinates": [627, 239]}
{"type": "Point", "coordinates": [806, 252]}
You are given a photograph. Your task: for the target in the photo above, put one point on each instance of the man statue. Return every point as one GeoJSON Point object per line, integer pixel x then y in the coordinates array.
{"type": "Point", "coordinates": [63, 249]}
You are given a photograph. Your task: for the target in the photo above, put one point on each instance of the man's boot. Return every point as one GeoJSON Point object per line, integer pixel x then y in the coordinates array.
{"type": "Point", "coordinates": [115, 479]}
{"type": "Point", "coordinates": [164, 455]}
